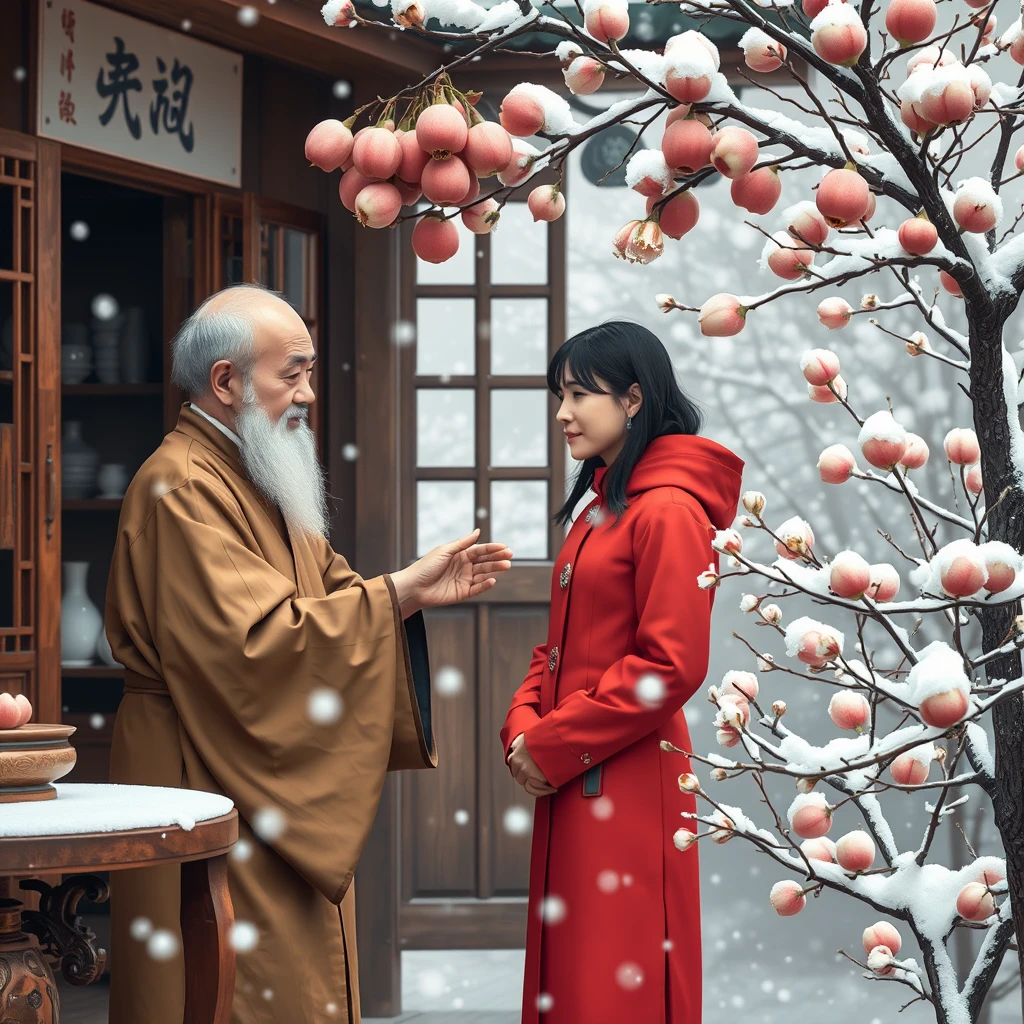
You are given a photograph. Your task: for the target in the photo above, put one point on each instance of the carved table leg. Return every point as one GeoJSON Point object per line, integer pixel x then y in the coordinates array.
{"type": "Point", "coordinates": [206, 919]}
{"type": "Point", "coordinates": [28, 992]}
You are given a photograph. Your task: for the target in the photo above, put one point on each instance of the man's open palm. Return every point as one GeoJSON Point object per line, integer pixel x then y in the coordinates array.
{"type": "Point", "coordinates": [453, 572]}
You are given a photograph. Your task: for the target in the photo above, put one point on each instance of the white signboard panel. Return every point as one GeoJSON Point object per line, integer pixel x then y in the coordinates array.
{"type": "Point", "coordinates": [116, 84]}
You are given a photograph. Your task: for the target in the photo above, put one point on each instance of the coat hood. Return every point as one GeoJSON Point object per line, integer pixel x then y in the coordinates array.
{"type": "Point", "coordinates": [702, 467]}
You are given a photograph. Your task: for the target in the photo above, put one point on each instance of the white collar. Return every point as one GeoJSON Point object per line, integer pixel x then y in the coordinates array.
{"type": "Point", "coordinates": [226, 431]}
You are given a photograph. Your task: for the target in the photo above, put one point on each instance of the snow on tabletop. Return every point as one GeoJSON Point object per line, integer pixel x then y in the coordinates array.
{"type": "Point", "coordinates": [94, 808]}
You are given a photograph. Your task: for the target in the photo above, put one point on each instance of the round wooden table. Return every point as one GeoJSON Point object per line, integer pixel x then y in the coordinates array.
{"type": "Point", "coordinates": [111, 828]}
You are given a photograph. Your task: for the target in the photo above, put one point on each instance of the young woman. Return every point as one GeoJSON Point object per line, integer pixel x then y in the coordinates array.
{"type": "Point", "coordinates": [614, 913]}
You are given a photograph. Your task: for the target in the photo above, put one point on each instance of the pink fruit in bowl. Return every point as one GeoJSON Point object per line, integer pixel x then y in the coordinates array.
{"type": "Point", "coordinates": [10, 713]}
{"type": "Point", "coordinates": [24, 707]}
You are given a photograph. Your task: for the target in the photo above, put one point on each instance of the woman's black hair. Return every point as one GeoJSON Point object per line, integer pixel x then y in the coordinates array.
{"type": "Point", "coordinates": [620, 354]}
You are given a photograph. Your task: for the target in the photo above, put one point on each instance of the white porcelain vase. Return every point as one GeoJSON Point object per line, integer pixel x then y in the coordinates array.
{"type": "Point", "coordinates": [106, 655]}
{"type": "Point", "coordinates": [112, 480]}
{"type": "Point", "coordinates": [80, 620]}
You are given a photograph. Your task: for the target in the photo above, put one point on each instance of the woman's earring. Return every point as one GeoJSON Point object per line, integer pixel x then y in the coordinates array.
{"type": "Point", "coordinates": [629, 422]}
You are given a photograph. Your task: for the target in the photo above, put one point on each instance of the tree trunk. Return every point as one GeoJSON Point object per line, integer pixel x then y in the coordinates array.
{"type": "Point", "coordinates": [1005, 523]}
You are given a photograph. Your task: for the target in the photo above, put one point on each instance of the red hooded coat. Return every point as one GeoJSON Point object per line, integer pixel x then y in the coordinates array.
{"type": "Point", "coordinates": [620, 938]}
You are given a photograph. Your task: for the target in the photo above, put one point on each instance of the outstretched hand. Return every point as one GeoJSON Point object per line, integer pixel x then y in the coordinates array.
{"type": "Point", "coordinates": [459, 570]}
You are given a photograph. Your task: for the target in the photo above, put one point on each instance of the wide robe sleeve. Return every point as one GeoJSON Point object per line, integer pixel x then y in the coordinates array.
{"type": "Point", "coordinates": [524, 710]}
{"type": "Point", "coordinates": [241, 655]}
{"type": "Point", "coordinates": [670, 551]}
{"type": "Point", "coordinates": [412, 743]}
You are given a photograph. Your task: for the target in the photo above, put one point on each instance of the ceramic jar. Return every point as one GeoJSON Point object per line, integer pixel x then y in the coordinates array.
{"type": "Point", "coordinates": [80, 620]}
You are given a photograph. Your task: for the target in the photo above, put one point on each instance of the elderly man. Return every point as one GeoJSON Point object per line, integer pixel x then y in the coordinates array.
{"type": "Point", "coordinates": [259, 665]}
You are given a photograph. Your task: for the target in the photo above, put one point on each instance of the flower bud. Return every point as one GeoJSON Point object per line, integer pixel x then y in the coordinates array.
{"type": "Point", "coordinates": [805, 785]}
{"type": "Point", "coordinates": [689, 783]}
{"type": "Point", "coordinates": [753, 502]}
{"type": "Point", "coordinates": [665, 302]}
{"type": "Point", "coordinates": [779, 707]}
{"type": "Point", "coordinates": [683, 839]}
{"type": "Point", "coordinates": [719, 774]}
{"type": "Point", "coordinates": [772, 613]}
{"type": "Point", "coordinates": [869, 301]}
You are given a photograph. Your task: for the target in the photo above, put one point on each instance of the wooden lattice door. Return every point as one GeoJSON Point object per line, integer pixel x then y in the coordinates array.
{"type": "Point", "coordinates": [29, 421]}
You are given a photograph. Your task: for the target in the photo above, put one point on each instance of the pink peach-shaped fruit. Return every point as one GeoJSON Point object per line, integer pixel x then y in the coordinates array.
{"type": "Point", "coordinates": [410, 193]}
{"type": "Point", "coordinates": [378, 204]}
{"type": "Point", "coordinates": [471, 193]}
{"type": "Point", "coordinates": [849, 577]}
{"type": "Point", "coordinates": [825, 395]}
{"type": "Point", "coordinates": [678, 215]}
{"type": "Point", "coordinates": [809, 651]}
{"type": "Point", "coordinates": [1000, 575]}
{"type": "Point", "coordinates": [931, 57]}
{"type": "Point", "coordinates": [1018, 159]}
{"type": "Point", "coordinates": [350, 185]}
{"type": "Point", "coordinates": [913, 120]}
{"type": "Point", "coordinates": [855, 851]}
{"type": "Point", "coordinates": [607, 21]}
{"type": "Point", "coordinates": [441, 130]}
{"type": "Point", "coordinates": [941, 710]}
{"type": "Point", "coordinates": [678, 112]}
{"type": "Point", "coordinates": [821, 848]}
{"type": "Point", "coordinates": [25, 707]}
{"type": "Point", "coordinates": [787, 898]}
{"type": "Point", "coordinates": [869, 212]}
{"type": "Point", "coordinates": [412, 16]}
{"type": "Point", "coordinates": [741, 684]}
{"type": "Point", "coordinates": [849, 710]}
{"type": "Point", "coordinates": [445, 182]}
{"type": "Point", "coordinates": [521, 114]}
{"type": "Point", "coordinates": [834, 313]}
{"type": "Point", "coordinates": [819, 366]}
{"type": "Point", "coordinates": [733, 151]}
{"type": "Point", "coordinates": [910, 21]}
{"type": "Point", "coordinates": [883, 450]}
{"type": "Point", "coordinates": [885, 582]}
{"type": "Point", "coordinates": [917, 236]}
{"type": "Point", "coordinates": [916, 453]}
{"type": "Point", "coordinates": [376, 153]}
{"type": "Point", "coordinates": [481, 217]}
{"type": "Point", "coordinates": [973, 480]}
{"type": "Point", "coordinates": [812, 821]}
{"type": "Point", "coordinates": [950, 283]}
{"type": "Point", "coordinates": [971, 215]}
{"type": "Point", "coordinates": [975, 903]}
{"type": "Point", "coordinates": [435, 239]}
{"type": "Point", "coordinates": [520, 167]}
{"type": "Point", "coordinates": [687, 88]}
{"type": "Point", "coordinates": [882, 933]}
{"type": "Point", "coordinates": [10, 713]}
{"type": "Point", "coordinates": [765, 56]}
{"type": "Point", "coordinates": [909, 771]}
{"type": "Point", "coordinates": [329, 145]}
{"type": "Point", "coordinates": [343, 14]}
{"type": "Point", "coordinates": [722, 316]}
{"type": "Point", "coordinates": [962, 577]}
{"type": "Point", "coordinates": [414, 158]}
{"type": "Point", "coordinates": [790, 258]}
{"type": "Point", "coordinates": [835, 464]}
{"type": "Point", "coordinates": [952, 104]}
{"type": "Point", "coordinates": [842, 197]}
{"type": "Point", "coordinates": [758, 191]}
{"type": "Point", "coordinates": [840, 44]}
{"type": "Point", "coordinates": [797, 542]}
{"type": "Point", "coordinates": [584, 76]}
{"type": "Point", "coordinates": [488, 148]}
{"type": "Point", "coordinates": [961, 446]}
{"type": "Point", "coordinates": [808, 225]}
{"type": "Point", "coordinates": [812, 8]}
{"type": "Point", "coordinates": [546, 202]}
{"type": "Point", "coordinates": [880, 960]}
{"type": "Point", "coordinates": [992, 875]}
{"type": "Point", "coordinates": [686, 146]}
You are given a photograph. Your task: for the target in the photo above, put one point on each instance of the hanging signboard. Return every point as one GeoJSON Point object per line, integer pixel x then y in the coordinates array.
{"type": "Point", "coordinates": [122, 86]}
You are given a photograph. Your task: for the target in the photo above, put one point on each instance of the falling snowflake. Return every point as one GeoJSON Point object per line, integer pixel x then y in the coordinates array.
{"type": "Point", "coordinates": [404, 332]}
{"type": "Point", "coordinates": [141, 929]}
{"type": "Point", "coordinates": [20, 74]}
{"type": "Point", "coordinates": [431, 984]}
{"type": "Point", "coordinates": [186, 25]}
{"type": "Point", "coordinates": [667, 945]}
{"type": "Point", "coordinates": [244, 937]}
{"type": "Point", "coordinates": [241, 851]}
{"type": "Point", "coordinates": [247, 17]}
{"type": "Point", "coordinates": [268, 823]}
{"type": "Point", "coordinates": [602, 808]}
{"type": "Point", "coordinates": [462, 817]}
{"type": "Point", "coordinates": [97, 721]}
{"type": "Point", "coordinates": [331, 1008]}
{"type": "Point", "coordinates": [350, 453]}
{"type": "Point", "coordinates": [608, 881]}
{"type": "Point", "coordinates": [629, 976]}
{"type": "Point", "coordinates": [481, 513]}
{"type": "Point", "coordinates": [783, 995]}
{"type": "Point", "coordinates": [545, 1001]}
{"type": "Point", "coordinates": [104, 306]}
{"type": "Point", "coordinates": [458, 1003]}
{"type": "Point", "coordinates": [552, 910]}
{"type": "Point", "coordinates": [517, 821]}
{"type": "Point", "coordinates": [162, 945]}
{"type": "Point", "coordinates": [341, 89]}
{"type": "Point", "coordinates": [650, 691]}
{"type": "Point", "coordinates": [268, 994]}
{"type": "Point", "coordinates": [79, 230]}
{"type": "Point", "coordinates": [324, 706]}
{"type": "Point", "coordinates": [450, 681]}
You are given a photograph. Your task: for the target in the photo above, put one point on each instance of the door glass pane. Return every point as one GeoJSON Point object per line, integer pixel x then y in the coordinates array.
{"type": "Point", "coordinates": [444, 512]}
{"type": "Point", "coordinates": [519, 427]}
{"type": "Point", "coordinates": [519, 248]}
{"type": "Point", "coordinates": [445, 336]}
{"type": "Point", "coordinates": [231, 249]}
{"type": "Point", "coordinates": [296, 260]}
{"type": "Point", "coordinates": [519, 516]}
{"type": "Point", "coordinates": [445, 427]}
{"type": "Point", "coordinates": [519, 336]}
{"type": "Point", "coordinates": [460, 269]}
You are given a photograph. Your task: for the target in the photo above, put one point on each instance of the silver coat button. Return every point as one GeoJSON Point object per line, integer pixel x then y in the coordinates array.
{"type": "Point", "coordinates": [592, 514]}
{"type": "Point", "coordinates": [563, 577]}
{"type": "Point", "coordinates": [552, 659]}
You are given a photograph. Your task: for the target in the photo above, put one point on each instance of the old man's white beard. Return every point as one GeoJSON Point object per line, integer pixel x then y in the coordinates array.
{"type": "Point", "coordinates": [282, 462]}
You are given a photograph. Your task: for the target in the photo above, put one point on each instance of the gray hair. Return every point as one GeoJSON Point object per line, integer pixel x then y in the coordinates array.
{"type": "Point", "coordinates": [207, 337]}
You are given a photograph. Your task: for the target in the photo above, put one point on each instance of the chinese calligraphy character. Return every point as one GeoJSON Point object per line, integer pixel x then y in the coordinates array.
{"type": "Point", "coordinates": [119, 83]}
{"type": "Point", "coordinates": [66, 107]}
{"type": "Point", "coordinates": [174, 109]}
{"type": "Point", "coordinates": [67, 22]}
{"type": "Point", "coordinates": [67, 64]}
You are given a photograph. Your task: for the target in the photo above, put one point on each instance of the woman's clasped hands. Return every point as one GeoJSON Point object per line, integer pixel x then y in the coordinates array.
{"type": "Point", "coordinates": [525, 770]}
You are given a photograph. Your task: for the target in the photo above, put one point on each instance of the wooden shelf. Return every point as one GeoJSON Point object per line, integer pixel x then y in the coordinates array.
{"type": "Point", "coordinates": [111, 389]}
{"type": "Point", "coordinates": [92, 672]}
{"type": "Point", "coordinates": [6, 375]}
{"type": "Point", "coordinates": [90, 504]}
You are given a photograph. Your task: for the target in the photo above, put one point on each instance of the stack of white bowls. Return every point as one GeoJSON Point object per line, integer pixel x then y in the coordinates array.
{"type": "Point", "coordinates": [106, 343]}
{"type": "Point", "coordinates": [75, 354]}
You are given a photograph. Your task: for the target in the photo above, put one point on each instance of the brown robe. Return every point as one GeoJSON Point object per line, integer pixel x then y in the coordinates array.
{"type": "Point", "coordinates": [225, 622]}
